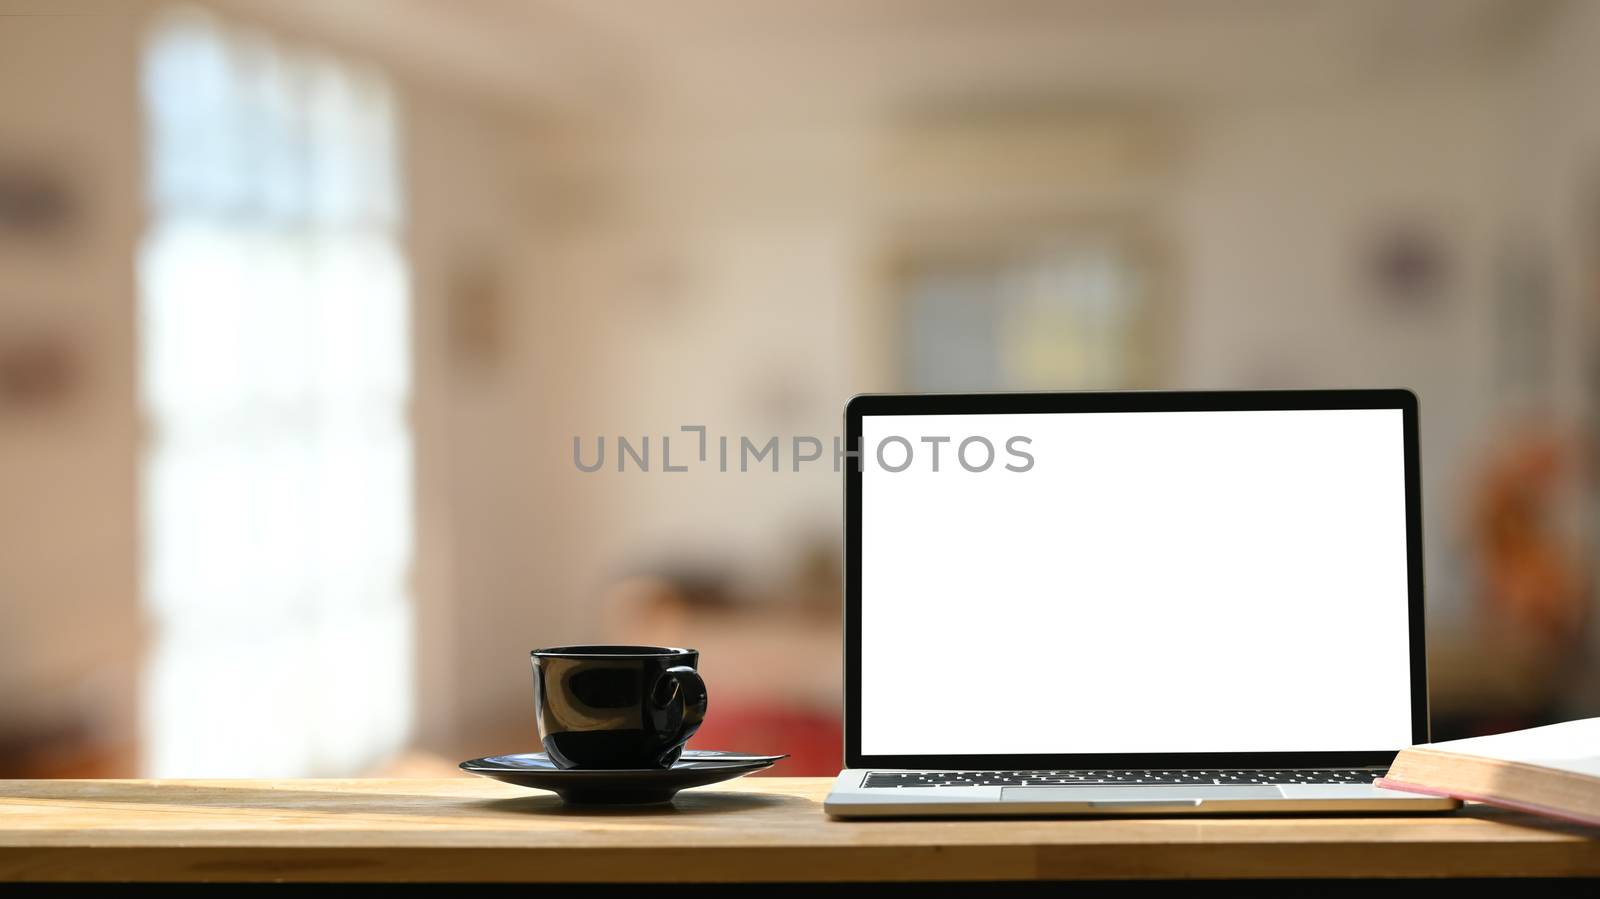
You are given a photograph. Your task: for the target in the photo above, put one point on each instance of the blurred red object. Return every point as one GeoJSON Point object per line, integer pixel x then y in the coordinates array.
{"type": "Point", "coordinates": [813, 740]}
{"type": "Point", "coordinates": [1535, 572]}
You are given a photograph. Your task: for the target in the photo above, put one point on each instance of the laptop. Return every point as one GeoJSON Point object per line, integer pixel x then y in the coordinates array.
{"type": "Point", "coordinates": [1131, 603]}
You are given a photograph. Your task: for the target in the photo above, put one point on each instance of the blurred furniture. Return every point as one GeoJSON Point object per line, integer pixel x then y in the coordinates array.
{"type": "Point", "coordinates": [756, 830]}
{"type": "Point", "coordinates": [67, 745]}
{"type": "Point", "coordinates": [813, 740]}
{"type": "Point", "coordinates": [771, 658]}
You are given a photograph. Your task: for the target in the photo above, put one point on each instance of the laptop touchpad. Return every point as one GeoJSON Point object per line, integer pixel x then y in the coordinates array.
{"type": "Point", "coordinates": [1126, 795]}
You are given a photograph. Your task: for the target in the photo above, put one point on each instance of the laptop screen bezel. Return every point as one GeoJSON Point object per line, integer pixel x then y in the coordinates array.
{"type": "Point", "coordinates": [1126, 401]}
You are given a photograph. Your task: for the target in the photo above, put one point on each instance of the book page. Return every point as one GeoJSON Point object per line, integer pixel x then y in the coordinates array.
{"type": "Point", "coordinates": [1572, 746]}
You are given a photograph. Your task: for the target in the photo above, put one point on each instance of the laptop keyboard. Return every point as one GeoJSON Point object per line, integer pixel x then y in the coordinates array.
{"type": "Point", "coordinates": [1067, 778]}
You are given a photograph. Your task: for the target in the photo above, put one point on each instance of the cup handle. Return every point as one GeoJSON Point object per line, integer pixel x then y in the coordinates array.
{"type": "Point", "coordinates": [686, 702]}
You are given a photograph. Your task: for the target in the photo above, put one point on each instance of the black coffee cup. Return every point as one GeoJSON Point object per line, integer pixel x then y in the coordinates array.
{"type": "Point", "coordinates": [617, 706]}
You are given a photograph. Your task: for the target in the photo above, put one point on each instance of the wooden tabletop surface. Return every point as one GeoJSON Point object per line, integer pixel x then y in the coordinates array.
{"type": "Point", "coordinates": [757, 829]}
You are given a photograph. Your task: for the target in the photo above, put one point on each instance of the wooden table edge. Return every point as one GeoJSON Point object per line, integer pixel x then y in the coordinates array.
{"type": "Point", "coordinates": [250, 831]}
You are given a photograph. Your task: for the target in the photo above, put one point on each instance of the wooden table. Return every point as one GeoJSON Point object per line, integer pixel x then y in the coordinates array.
{"type": "Point", "coordinates": [757, 829]}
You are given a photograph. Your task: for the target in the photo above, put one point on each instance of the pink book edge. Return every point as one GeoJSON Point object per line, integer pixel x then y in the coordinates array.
{"type": "Point", "coordinates": [1530, 808]}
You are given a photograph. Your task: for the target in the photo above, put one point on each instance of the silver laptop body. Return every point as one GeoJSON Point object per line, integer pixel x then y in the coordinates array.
{"type": "Point", "coordinates": [1131, 603]}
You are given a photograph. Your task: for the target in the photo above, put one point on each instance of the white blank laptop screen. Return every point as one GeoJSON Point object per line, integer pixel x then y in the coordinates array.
{"type": "Point", "coordinates": [1154, 582]}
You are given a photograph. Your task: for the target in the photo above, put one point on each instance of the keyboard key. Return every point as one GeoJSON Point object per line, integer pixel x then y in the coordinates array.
{"type": "Point", "coordinates": [1068, 778]}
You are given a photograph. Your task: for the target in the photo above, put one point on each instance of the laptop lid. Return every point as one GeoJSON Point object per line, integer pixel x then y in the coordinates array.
{"type": "Point", "coordinates": [1133, 579]}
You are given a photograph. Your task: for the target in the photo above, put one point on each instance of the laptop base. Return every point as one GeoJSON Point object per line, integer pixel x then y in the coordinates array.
{"type": "Point", "coordinates": [849, 799]}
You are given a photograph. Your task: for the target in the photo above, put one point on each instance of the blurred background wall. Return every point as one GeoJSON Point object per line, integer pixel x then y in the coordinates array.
{"type": "Point", "coordinates": [496, 226]}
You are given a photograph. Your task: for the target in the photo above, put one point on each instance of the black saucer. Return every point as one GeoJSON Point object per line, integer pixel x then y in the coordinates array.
{"type": "Point", "coordinates": [633, 786]}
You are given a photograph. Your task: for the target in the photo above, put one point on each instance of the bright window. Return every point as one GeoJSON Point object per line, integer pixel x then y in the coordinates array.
{"type": "Point", "coordinates": [275, 371]}
{"type": "Point", "coordinates": [1072, 312]}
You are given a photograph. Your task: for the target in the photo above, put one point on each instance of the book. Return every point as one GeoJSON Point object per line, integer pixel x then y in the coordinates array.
{"type": "Point", "coordinates": [1552, 771]}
